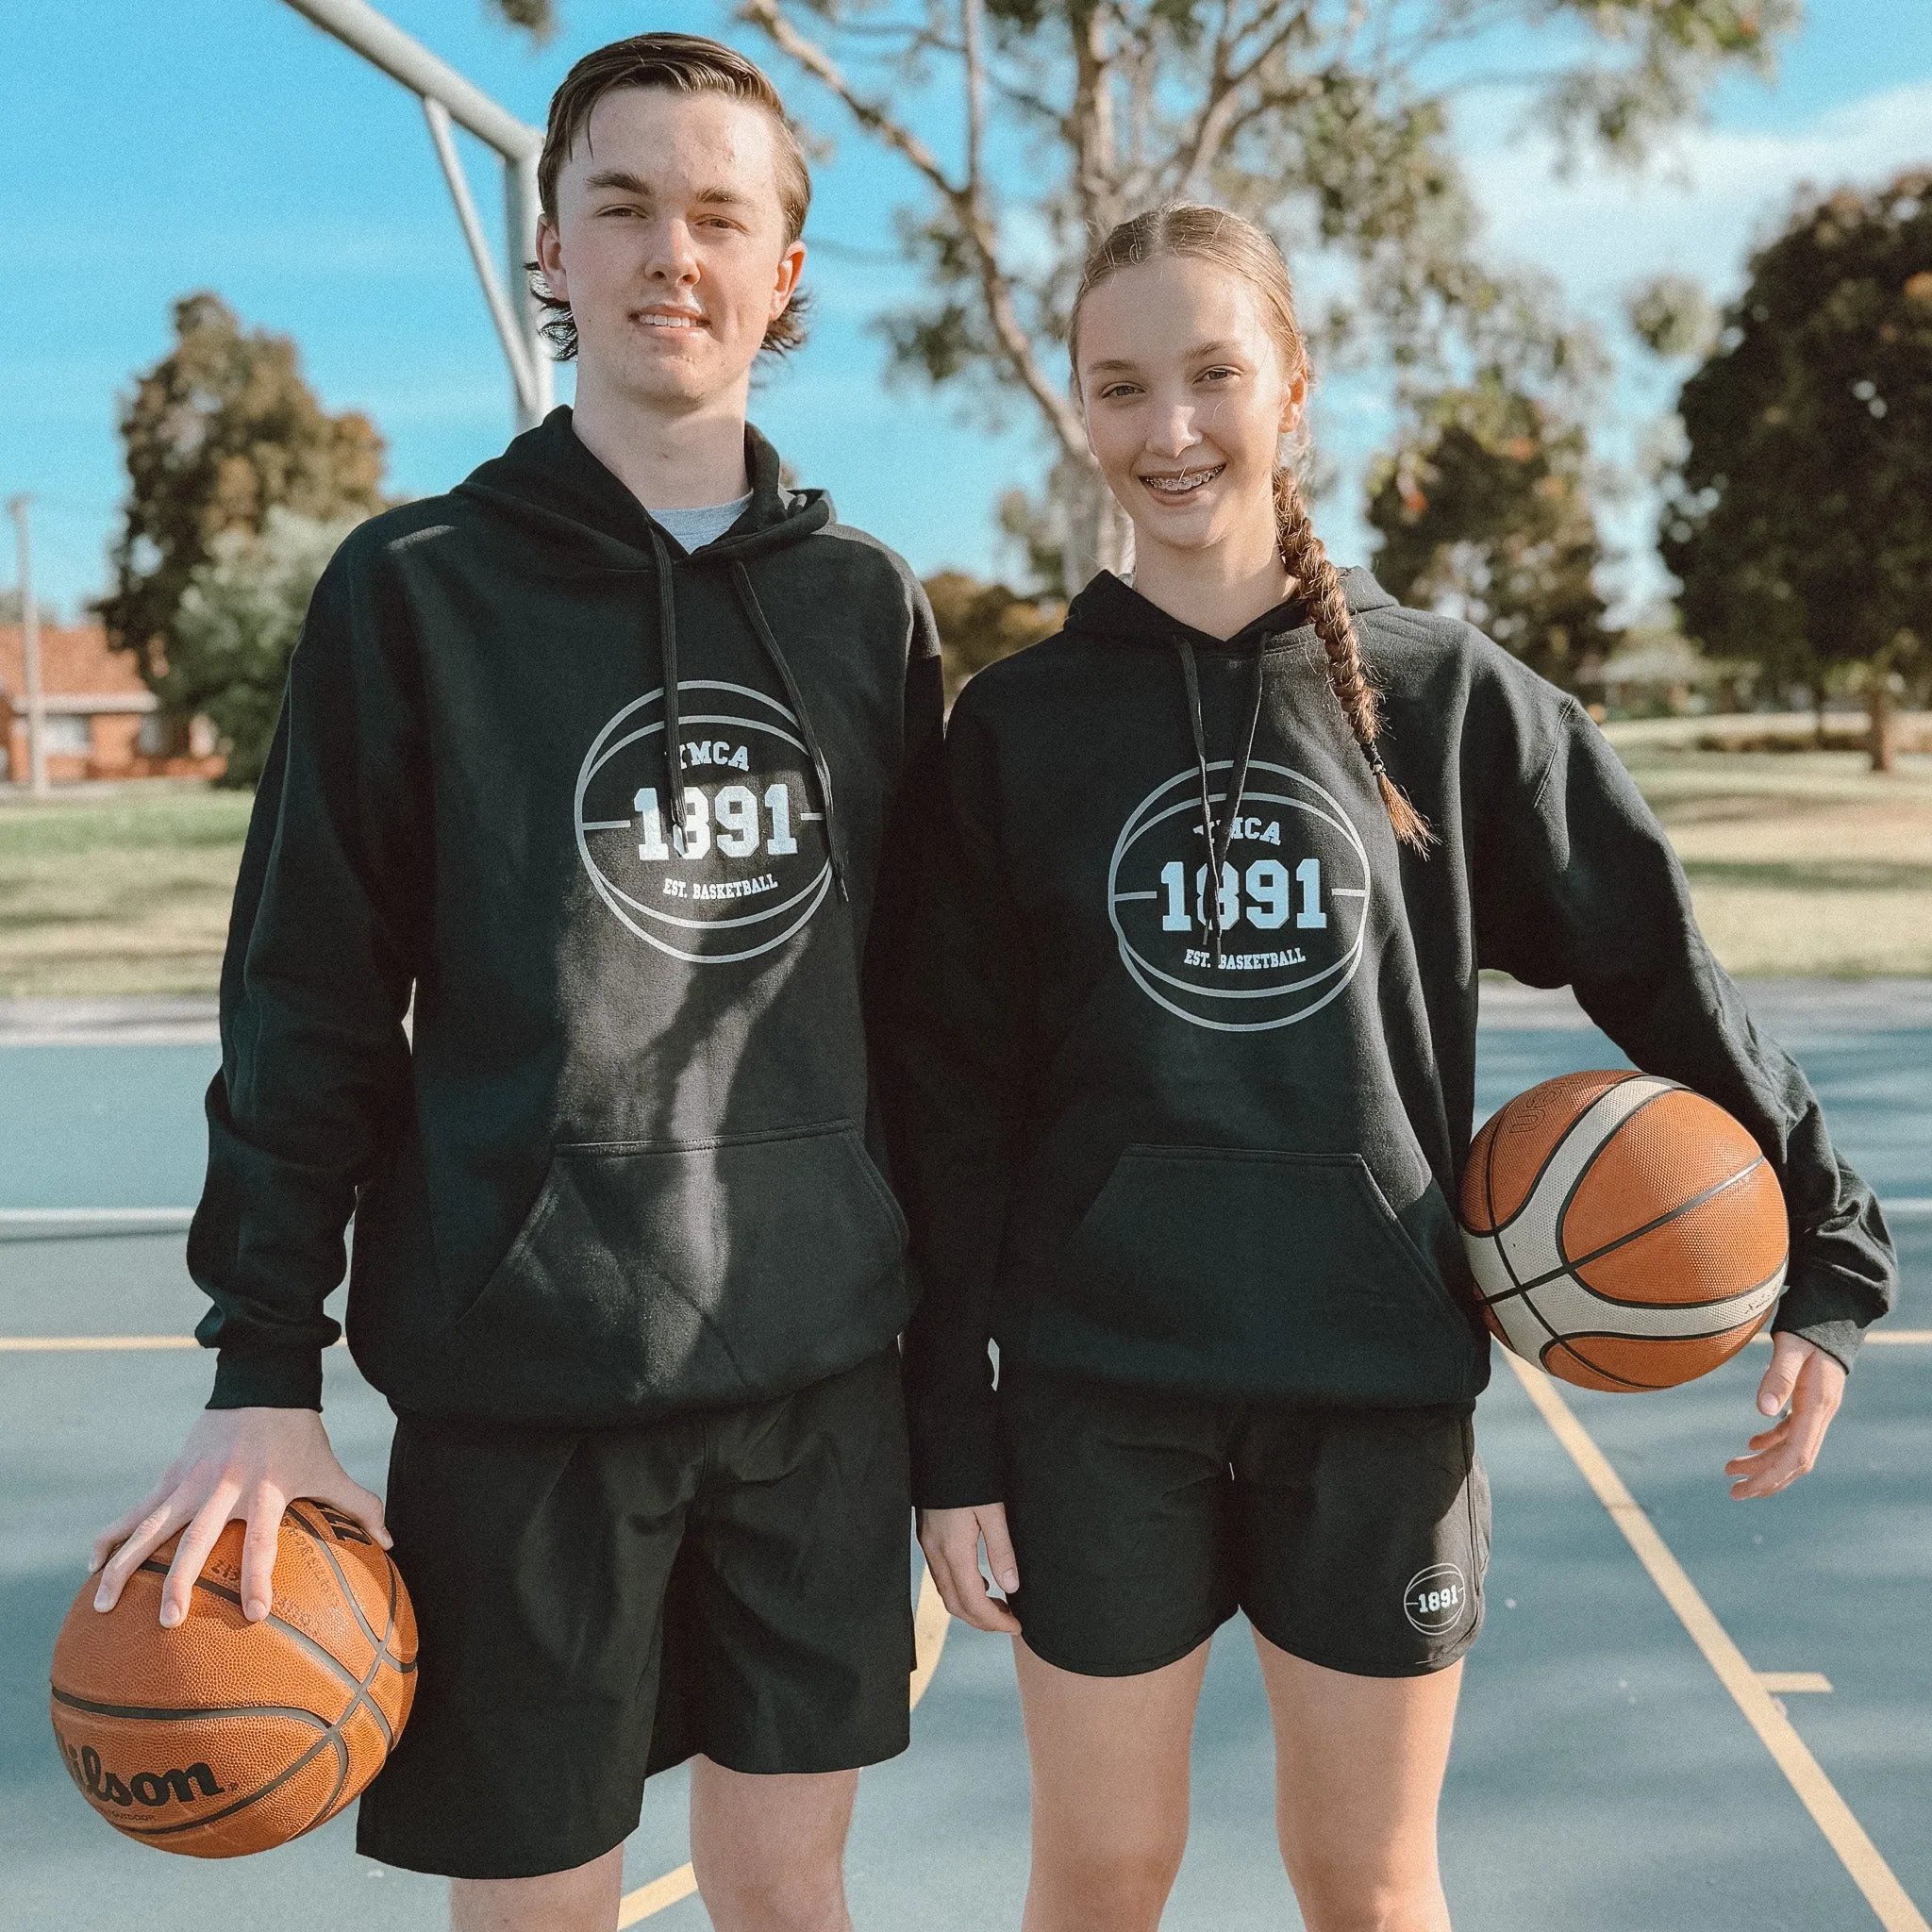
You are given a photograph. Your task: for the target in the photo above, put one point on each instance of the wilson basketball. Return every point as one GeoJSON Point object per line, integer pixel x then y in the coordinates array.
{"type": "Point", "coordinates": [220, 1736]}
{"type": "Point", "coordinates": [1624, 1232]}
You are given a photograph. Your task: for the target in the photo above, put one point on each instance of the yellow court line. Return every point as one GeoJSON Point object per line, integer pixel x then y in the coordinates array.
{"type": "Point", "coordinates": [1816, 1792]}
{"type": "Point", "coordinates": [929, 1625]}
{"type": "Point", "coordinates": [655, 1896]}
{"type": "Point", "coordinates": [36, 1344]}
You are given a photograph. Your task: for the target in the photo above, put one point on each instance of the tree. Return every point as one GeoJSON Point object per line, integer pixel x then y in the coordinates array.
{"type": "Point", "coordinates": [217, 433]}
{"type": "Point", "coordinates": [979, 623]}
{"type": "Point", "coordinates": [1799, 521]}
{"type": "Point", "coordinates": [1671, 315]}
{"type": "Point", "coordinates": [235, 624]}
{"type": "Point", "coordinates": [537, 18]}
{"type": "Point", "coordinates": [1318, 117]}
{"type": "Point", "coordinates": [1483, 512]}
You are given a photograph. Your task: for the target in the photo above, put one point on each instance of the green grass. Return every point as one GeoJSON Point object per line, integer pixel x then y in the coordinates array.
{"type": "Point", "coordinates": [1800, 863]}
{"type": "Point", "coordinates": [118, 892]}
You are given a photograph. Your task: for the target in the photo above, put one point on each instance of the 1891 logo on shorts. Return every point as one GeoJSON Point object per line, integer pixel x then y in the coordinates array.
{"type": "Point", "coordinates": [1294, 899]}
{"type": "Point", "coordinates": [1436, 1599]}
{"type": "Point", "coordinates": [737, 861]}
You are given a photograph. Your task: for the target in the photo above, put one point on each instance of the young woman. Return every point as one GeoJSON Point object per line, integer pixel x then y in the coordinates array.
{"type": "Point", "coordinates": [1190, 1059]}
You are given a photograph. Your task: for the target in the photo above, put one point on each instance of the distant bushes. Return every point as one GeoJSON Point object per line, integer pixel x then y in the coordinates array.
{"type": "Point", "coordinates": [982, 623]}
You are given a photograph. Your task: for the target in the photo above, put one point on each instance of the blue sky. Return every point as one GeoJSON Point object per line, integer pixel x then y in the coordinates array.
{"type": "Point", "coordinates": [150, 147]}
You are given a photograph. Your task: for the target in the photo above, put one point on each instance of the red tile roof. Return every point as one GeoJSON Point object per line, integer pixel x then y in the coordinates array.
{"type": "Point", "coordinates": [75, 662]}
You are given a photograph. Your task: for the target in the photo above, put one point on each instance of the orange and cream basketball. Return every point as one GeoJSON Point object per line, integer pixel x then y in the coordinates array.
{"type": "Point", "coordinates": [222, 1737]}
{"type": "Point", "coordinates": [1624, 1232]}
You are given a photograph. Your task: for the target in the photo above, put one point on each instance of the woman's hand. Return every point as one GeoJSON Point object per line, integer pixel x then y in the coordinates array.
{"type": "Point", "coordinates": [951, 1539]}
{"type": "Point", "coordinates": [246, 1463]}
{"type": "Point", "coordinates": [1813, 1384]}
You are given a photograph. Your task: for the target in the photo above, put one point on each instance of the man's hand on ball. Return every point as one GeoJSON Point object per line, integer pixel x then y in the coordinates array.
{"type": "Point", "coordinates": [1802, 1387]}
{"type": "Point", "coordinates": [245, 1464]}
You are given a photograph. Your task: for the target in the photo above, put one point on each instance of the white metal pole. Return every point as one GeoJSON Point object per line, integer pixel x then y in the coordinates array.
{"type": "Point", "coordinates": [384, 43]}
{"type": "Point", "coordinates": [522, 205]}
{"type": "Point", "coordinates": [447, 96]}
{"type": "Point", "coordinates": [505, 311]}
{"type": "Point", "coordinates": [31, 649]}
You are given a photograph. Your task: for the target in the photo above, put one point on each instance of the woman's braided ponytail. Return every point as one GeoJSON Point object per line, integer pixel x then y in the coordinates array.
{"type": "Point", "coordinates": [1234, 243]}
{"type": "Point", "coordinates": [1320, 587]}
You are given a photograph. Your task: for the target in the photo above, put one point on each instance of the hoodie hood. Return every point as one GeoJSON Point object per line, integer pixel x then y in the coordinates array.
{"type": "Point", "coordinates": [1111, 610]}
{"type": "Point", "coordinates": [548, 481]}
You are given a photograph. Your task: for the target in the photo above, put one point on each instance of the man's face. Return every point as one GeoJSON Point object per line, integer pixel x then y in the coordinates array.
{"type": "Point", "coordinates": [669, 244]}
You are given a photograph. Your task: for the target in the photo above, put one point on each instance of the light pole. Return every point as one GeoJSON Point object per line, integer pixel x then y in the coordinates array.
{"type": "Point", "coordinates": [31, 649]}
{"type": "Point", "coordinates": [447, 97]}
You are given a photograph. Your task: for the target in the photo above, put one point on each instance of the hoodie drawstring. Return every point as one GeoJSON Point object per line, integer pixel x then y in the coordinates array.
{"type": "Point", "coordinates": [673, 757]}
{"type": "Point", "coordinates": [674, 731]}
{"type": "Point", "coordinates": [822, 770]}
{"type": "Point", "coordinates": [1218, 836]}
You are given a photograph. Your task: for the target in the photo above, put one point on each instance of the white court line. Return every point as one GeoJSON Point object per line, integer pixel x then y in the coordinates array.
{"type": "Point", "coordinates": [929, 1625]}
{"type": "Point", "coordinates": [158, 1218]}
{"type": "Point", "coordinates": [1816, 1792]}
{"type": "Point", "coordinates": [77, 1344]}
{"type": "Point", "coordinates": [1892, 1337]}
{"type": "Point", "coordinates": [1896, 1208]}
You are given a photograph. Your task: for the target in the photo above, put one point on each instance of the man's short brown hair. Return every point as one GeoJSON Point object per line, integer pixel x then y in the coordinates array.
{"type": "Point", "coordinates": [684, 65]}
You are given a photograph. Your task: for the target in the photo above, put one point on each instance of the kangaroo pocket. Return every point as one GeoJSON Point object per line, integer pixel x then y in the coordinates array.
{"type": "Point", "coordinates": [1233, 1272]}
{"type": "Point", "coordinates": [650, 1278]}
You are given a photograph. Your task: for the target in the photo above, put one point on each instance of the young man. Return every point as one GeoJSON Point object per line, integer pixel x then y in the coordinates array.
{"type": "Point", "coordinates": [599, 758]}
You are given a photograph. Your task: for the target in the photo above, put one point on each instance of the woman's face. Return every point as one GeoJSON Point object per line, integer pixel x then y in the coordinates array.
{"type": "Point", "coordinates": [1187, 400]}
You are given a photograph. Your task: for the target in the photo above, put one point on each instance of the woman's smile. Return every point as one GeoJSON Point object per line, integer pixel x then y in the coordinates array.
{"type": "Point", "coordinates": [1176, 486]}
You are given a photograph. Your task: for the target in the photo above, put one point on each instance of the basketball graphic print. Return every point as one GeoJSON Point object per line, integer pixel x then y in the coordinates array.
{"type": "Point", "coordinates": [734, 865]}
{"type": "Point", "coordinates": [1294, 899]}
{"type": "Point", "coordinates": [1624, 1232]}
{"type": "Point", "coordinates": [1437, 1599]}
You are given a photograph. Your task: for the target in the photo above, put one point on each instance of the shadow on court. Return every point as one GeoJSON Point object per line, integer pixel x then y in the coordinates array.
{"type": "Point", "coordinates": [1604, 1779]}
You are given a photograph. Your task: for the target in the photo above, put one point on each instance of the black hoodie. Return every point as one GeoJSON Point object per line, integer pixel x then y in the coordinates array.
{"type": "Point", "coordinates": [1221, 1161]}
{"type": "Point", "coordinates": [624, 1163]}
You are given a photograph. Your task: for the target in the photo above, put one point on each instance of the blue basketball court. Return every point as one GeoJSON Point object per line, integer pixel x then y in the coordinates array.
{"type": "Point", "coordinates": [1685, 1714]}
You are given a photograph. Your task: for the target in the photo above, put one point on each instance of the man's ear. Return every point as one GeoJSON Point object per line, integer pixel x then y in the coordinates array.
{"type": "Point", "coordinates": [790, 269]}
{"type": "Point", "coordinates": [550, 258]}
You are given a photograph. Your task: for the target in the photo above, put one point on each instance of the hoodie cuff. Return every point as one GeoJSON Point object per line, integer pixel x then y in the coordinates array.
{"type": "Point", "coordinates": [956, 1458]}
{"type": "Point", "coordinates": [267, 1378]}
{"type": "Point", "coordinates": [1839, 1339]}
{"type": "Point", "coordinates": [1824, 1308]}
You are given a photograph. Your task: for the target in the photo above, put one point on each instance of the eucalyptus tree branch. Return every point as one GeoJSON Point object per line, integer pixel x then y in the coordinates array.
{"type": "Point", "coordinates": [871, 115]}
{"type": "Point", "coordinates": [1096, 159]}
{"type": "Point", "coordinates": [1222, 114]}
{"type": "Point", "coordinates": [1032, 103]}
{"type": "Point", "coordinates": [972, 21]}
{"type": "Point", "coordinates": [1258, 108]}
{"type": "Point", "coordinates": [965, 200]}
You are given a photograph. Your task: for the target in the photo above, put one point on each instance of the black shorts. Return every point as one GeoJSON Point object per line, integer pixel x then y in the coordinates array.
{"type": "Point", "coordinates": [594, 1606]}
{"type": "Point", "coordinates": [1354, 1538]}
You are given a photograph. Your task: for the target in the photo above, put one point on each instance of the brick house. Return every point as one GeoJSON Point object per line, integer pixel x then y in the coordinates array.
{"type": "Point", "coordinates": [101, 719]}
